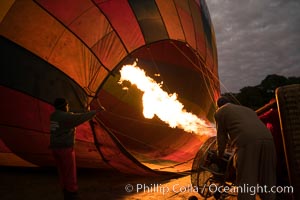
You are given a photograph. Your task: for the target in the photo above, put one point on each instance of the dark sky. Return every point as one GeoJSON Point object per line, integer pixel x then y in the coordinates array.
{"type": "Point", "coordinates": [255, 38]}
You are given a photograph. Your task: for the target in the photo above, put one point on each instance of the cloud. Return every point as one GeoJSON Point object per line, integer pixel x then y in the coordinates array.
{"type": "Point", "coordinates": [255, 38]}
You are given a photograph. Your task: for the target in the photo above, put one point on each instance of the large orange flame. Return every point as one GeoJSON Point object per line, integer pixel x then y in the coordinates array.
{"type": "Point", "coordinates": [165, 106]}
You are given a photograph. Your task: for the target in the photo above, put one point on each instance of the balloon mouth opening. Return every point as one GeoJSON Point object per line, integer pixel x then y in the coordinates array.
{"type": "Point", "coordinates": [177, 72]}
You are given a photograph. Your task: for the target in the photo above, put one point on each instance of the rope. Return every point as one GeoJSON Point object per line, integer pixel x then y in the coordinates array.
{"type": "Point", "coordinates": [209, 70]}
{"type": "Point", "coordinates": [149, 145]}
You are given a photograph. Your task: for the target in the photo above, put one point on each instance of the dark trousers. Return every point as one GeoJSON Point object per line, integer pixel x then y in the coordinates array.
{"type": "Point", "coordinates": [256, 168]}
{"type": "Point", "coordinates": [66, 165]}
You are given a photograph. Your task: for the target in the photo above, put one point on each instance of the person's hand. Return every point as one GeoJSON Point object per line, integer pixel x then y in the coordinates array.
{"type": "Point", "coordinates": [101, 108]}
{"type": "Point", "coordinates": [88, 108]}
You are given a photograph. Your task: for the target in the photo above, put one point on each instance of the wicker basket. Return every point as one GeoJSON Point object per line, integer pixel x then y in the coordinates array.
{"type": "Point", "coordinates": [288, 102]}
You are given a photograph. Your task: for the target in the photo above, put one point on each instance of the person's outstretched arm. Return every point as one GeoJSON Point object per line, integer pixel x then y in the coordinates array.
{"type": "Point", "coordinates": [75, 119]}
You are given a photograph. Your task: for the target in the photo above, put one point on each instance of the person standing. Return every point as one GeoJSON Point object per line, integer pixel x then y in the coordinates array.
{"type": "Point", "coordinates": [62, 140]}
{"type": "Point", "coordinates": [241, 128]}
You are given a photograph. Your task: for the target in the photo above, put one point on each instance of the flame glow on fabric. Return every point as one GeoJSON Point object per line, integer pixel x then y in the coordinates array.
{"type": "Point", "coordinates": [50, 53]}
{"type": "Point", "coordinates": [158, 102]}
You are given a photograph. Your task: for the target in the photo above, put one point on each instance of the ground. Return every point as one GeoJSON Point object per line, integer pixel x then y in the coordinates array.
{"type": "Point", "coordinates": [33, 183]}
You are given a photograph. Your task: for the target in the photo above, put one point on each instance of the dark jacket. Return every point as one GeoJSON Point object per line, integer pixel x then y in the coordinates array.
{"type": "Point", "coordinates": [62, 127]}
{"type": "Point", "coordinates": [240, 124]}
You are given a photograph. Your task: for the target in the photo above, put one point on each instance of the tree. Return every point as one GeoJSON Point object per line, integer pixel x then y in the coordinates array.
{"type": "Point", "coordinates": [251, 97]}
{"type": "Point", "coordinates": [257, 96]}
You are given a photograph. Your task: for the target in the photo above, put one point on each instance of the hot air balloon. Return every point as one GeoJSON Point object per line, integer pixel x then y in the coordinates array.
{"type": "Point", "coordinates": [75, 49]}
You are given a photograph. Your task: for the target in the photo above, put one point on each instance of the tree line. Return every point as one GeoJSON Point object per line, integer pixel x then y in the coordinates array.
{"type": "Point", "coordinates": [257, 96]}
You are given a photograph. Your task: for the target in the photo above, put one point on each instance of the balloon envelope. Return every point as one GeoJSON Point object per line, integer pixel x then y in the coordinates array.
{"type": "Point", "coordinates": [75, 49]}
